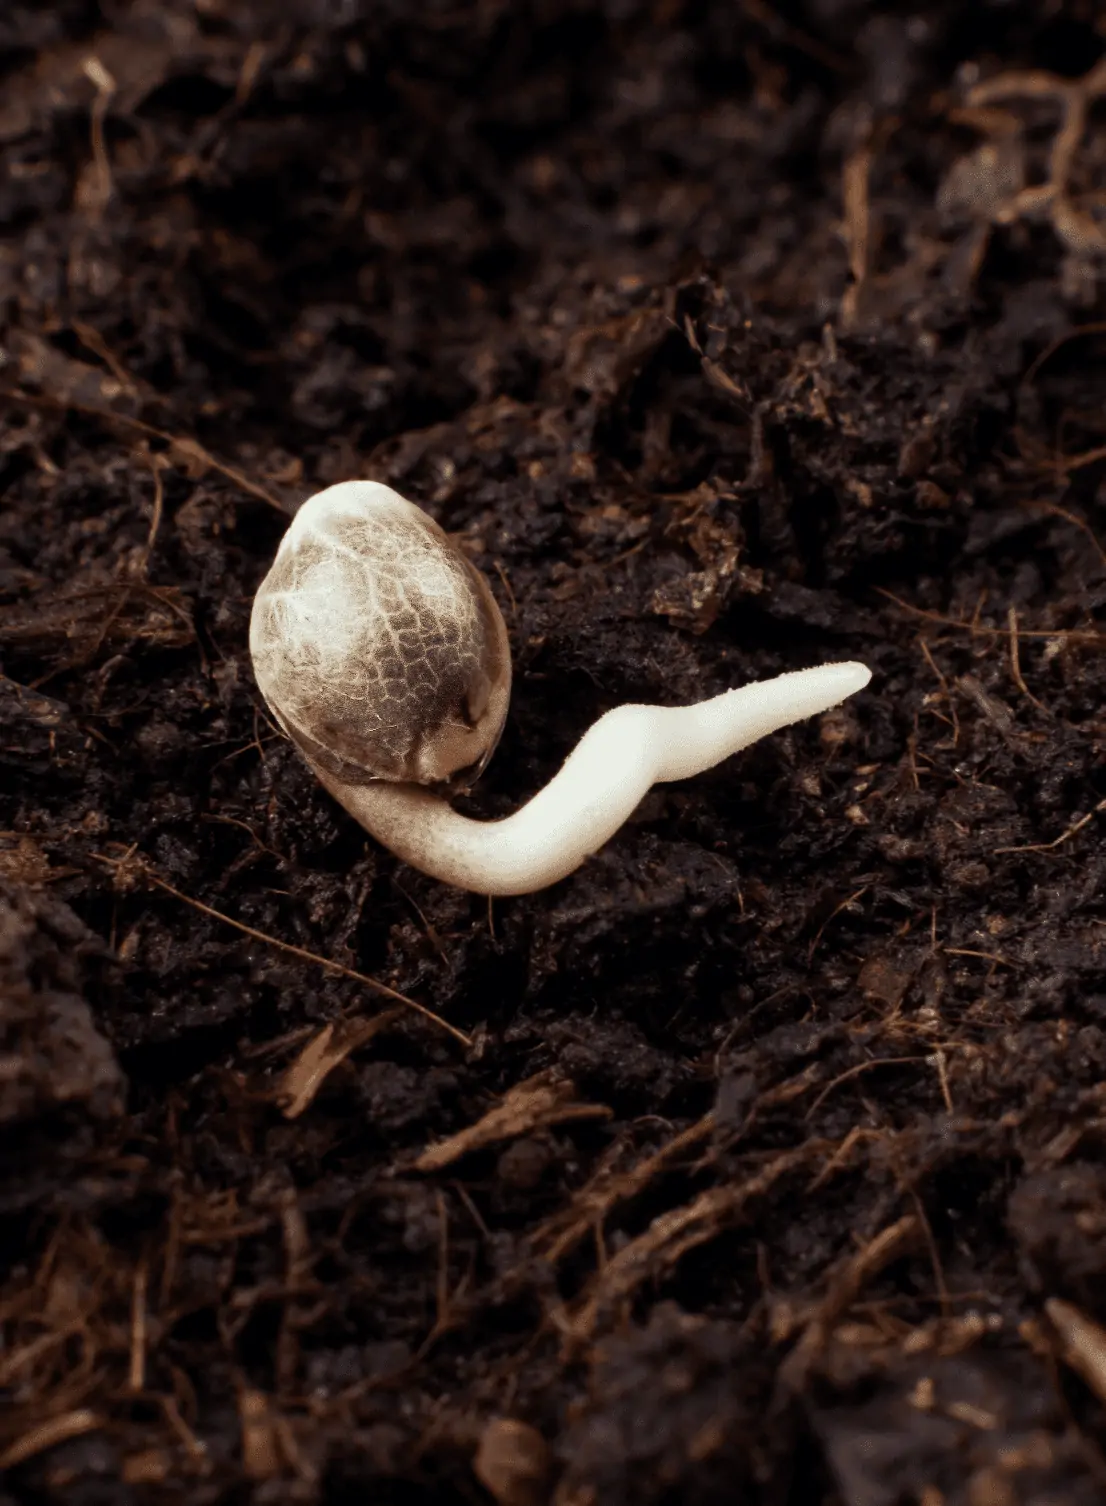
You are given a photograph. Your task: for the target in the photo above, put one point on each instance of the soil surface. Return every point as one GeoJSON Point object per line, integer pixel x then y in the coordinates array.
{"type": "Point", "coordinates": [762, 1160]}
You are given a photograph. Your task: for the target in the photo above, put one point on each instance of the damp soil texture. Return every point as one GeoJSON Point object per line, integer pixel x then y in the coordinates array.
{"type": "Point", "coordinates": [763, 1159]}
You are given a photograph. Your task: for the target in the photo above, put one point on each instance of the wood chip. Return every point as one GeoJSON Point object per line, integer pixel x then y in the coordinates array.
{"type": "Point", "coordinates": [534, 1104]}
{"type": "Point", "coordinates": [1084, 1343]}
{"type": "Point", "coordinates": [323, 1052]}
{"type": "Point", "coordinates": [512, 1462]}
{"type": "Point", "coordinates": [261, 1453]}
{"type": "Point", "coordinates": [48, 1434]}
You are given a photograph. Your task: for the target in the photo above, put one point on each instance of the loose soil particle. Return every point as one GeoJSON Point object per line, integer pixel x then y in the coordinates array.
{"type": "Point", "coordinates": [763, 1159]}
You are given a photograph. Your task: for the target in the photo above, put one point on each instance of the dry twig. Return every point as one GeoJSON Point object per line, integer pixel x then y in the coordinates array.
{"type": "Point", "coordinates": [131, 865]}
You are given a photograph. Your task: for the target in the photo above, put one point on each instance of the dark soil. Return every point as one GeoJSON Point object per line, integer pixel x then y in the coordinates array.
{"type": "Point", "coordinates": [764, 1159]}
